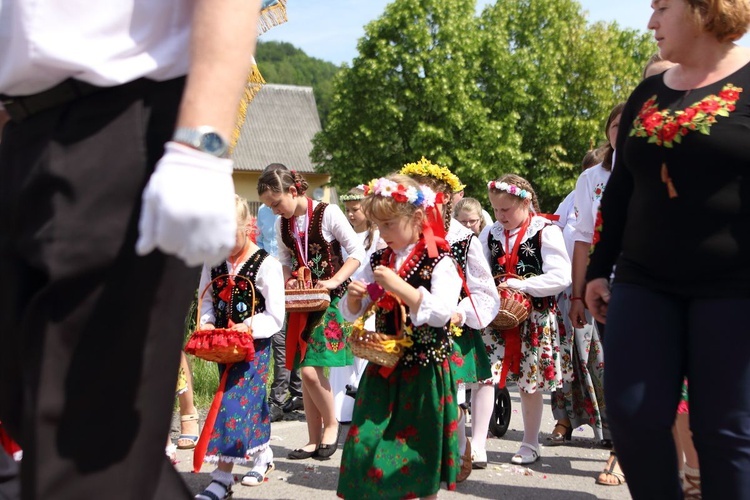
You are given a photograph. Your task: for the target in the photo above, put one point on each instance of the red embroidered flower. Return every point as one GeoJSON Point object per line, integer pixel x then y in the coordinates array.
{"type": "Point", "coordinates": [549, 373]}
{"type": "Point", "coordinates": [668, 132]}
{"type": "Point", "coordinates": [242, 285]}
{"type": "Point", "coordinates": [451, 427]}
{"type": "Point", "coordinates": [405, 469]}
{"type": "Point", "coordinates": [729, 94]}
{"type": "Point", "coordinates": [651, 122]}
{"type": "Point", "coordinates": [375, 473]}
{"type": "Point", "coordinates": [709, 106]}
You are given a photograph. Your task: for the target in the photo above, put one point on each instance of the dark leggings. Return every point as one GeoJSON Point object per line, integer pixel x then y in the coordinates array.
{"type": "Point", "coordinates": [653, 341]}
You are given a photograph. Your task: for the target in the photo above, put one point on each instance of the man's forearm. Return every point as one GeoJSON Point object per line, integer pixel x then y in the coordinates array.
{"type": "Point", "coordinates": [222, 45]}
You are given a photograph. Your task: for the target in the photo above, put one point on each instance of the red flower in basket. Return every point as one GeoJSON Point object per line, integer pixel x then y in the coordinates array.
{"type": "Point", "coordinates": [387, 302]}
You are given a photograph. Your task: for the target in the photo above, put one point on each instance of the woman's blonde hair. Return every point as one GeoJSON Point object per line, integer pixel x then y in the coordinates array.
{"type": "Point", "coordinates": [521, 183]}
{"type": "Point", "coordinates": [470, 205]}
{"type": "Point", "coordinates": [385, 207]}
{"type": "Point", "coordinates": [727, 20]}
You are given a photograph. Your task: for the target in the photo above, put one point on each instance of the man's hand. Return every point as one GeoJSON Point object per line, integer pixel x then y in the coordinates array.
{"type": "Point", "coordinates": [188, 207]}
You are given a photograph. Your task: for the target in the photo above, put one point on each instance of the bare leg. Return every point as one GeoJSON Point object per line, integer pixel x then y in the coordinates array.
{"type": "Point", "coordinates": [678, 447]}
{"type": "Point", "coordinates": [317, 390]}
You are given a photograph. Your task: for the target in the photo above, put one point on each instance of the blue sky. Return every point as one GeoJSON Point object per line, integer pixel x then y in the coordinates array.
{"type": "Point", "coordinates": [329, 29]}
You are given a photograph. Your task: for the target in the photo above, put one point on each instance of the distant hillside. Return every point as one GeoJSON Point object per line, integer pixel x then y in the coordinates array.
{"type": "Point", "coordinates": [282, 62]}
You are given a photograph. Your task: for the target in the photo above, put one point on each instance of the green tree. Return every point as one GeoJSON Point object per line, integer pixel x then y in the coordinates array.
{"type": "Point", "coordinates": [560, 77]}
{"type": "Point", "coordinates": [283, 63]}
{"type": "Point", "coordinates": [523, 88]}
{"type": "Point", "coordinates": [412, 92]}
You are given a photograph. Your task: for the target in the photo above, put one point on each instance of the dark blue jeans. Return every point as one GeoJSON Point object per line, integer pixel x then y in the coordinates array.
{"type": "Point", "coordinates": [653, 340]}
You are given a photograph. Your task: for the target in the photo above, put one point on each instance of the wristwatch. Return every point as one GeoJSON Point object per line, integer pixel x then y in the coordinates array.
{"type": "Point", "coordinates": [205, 139]}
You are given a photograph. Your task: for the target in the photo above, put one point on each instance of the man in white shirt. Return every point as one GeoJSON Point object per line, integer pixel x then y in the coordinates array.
{"type": "Point", "coordinates": [97, 273]}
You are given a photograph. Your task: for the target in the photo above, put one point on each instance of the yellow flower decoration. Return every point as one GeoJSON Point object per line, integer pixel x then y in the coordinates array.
{"type": "Point", "coordinates": [425, 167]}
{"type": "Point", "coordinates": [456, 330]}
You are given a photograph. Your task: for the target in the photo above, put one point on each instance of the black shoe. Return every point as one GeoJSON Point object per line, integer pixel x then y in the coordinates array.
{"type": "Point", "coordinates": [276, 413]}
{"type": "Point", "coordinates": [292, 404]}
{"type": "Point", "coordinates": [325, 451]}
{"type": "Point", "coordinates": [301, 454]}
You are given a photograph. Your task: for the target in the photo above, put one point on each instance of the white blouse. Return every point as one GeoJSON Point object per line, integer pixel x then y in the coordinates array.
{"type": "Point", "coordinates": [436, 306]}
{"type": "Point", "coordinates": [478, 279]}
{"type": "Point", "coordinates": [375, 244]}
{"type": "Point", "coordinates": [588, 195]}
{"type": "Point", "coordinates": [335, 226]}
{"type": "Point", "coordinates": [556, 267]}
{"type": "Point", "coordinates": [567, 213]}
{"type": "Point", "coordinates": [269, 282]}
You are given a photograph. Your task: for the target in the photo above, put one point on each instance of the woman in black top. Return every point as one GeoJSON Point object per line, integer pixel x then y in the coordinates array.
{"type": "Point", "coordinates": [676, 222]}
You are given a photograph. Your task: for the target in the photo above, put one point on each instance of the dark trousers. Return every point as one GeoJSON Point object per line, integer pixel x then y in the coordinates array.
{"type": "Point", "coordinates": [9, 484]}
{"type": "Point", "coordinates": [654, 340]}
{"type": "Point", "coordinates": [283, 379]}
{"type": "Point", "coordinates": [91, 335]}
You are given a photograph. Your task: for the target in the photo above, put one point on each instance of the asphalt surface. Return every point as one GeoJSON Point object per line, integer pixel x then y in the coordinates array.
{"type": "Point", "coordinates": [564, 472]}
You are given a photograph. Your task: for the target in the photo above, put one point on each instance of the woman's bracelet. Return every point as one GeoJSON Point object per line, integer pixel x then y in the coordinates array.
{"type": "Point", "coordinates": [576, 298]}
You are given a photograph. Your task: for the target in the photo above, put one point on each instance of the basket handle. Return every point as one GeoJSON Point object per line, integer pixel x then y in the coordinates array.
{"type": "Point", "coordinates": [210, 284]}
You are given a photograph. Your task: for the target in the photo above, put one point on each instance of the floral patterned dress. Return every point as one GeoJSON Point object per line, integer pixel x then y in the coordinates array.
{"type": "Point", "coordinates": [325, 332]}
{"type": "Point", "coordinates": [403, 438]}
{"type": "Point", "coordinates": [541, 365]}
{"type": "Point", "coordinates": [243, 425]}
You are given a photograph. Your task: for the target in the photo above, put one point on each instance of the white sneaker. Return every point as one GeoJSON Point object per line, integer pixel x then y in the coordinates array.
{"type": "Point", "coordinates": [526, 454]}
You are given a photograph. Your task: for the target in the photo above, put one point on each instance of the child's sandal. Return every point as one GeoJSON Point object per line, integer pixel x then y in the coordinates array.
{"type": "Point", "coordinates": [189, 441]}
{"type": "Point", "coordinates": [255, 478]}
{"type": "Point", "coordinates": [210, 495]}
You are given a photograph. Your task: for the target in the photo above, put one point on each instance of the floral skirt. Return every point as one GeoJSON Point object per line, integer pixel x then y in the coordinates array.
{"type": "Point", "coordinates": [326, 334]}
{"type": "Point", "coordinates": [403, 439]}
{"type": "Point", "coordinates": [243, 424]}
{"type": "Point", "coordinates": [581, 398]}
{"type": "Point", "coordinates": [540, 353]}
{"type": "Point", "coordinates": [469, 359]}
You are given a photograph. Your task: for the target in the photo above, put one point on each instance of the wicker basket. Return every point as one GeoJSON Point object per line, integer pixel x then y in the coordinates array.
{"type": "Point", "coordinates": [222, 345]}
{"type": "Point", "coordinates": [515, 306]}
{"type": "Point", "coordinates": [379, 348]}
{"type": "Point", "coordinates": [305, 297]}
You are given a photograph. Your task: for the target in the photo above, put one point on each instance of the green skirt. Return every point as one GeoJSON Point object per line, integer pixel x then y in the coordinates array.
{"type": "Point", "coordinates": [469, 359]}
{"type": "Point", "coordinates": [403, 439]}
{"type": "Point", "coordinates": [327, 337]}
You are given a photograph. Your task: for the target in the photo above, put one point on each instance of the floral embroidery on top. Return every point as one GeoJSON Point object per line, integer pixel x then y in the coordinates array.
{"type": "Point", "coordinates": [598, 191]}
{"type": "Point", "coordinates": [665, 128]}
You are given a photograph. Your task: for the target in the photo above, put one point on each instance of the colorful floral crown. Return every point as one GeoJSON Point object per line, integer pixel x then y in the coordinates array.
{"type": "Point", "coordinates": [510, 189]}
{"type": "Point", "coordinates": [425, 168]}
{"type": "Point", "coordinates": [423, 197]}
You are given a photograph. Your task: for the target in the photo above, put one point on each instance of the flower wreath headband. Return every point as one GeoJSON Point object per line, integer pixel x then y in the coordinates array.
{"type": "Point", "coordinates": [423, 197]}
{"type": "Point", "coordinates": [510, 189]}
{"type": "Point", "coordinates": [353, 196]}
{"type": "Point", "coordinates": [428, 169]}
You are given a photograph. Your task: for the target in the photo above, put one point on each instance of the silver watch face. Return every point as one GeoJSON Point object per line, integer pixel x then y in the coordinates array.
{"type": "Point", "coordinates": [212, 143]}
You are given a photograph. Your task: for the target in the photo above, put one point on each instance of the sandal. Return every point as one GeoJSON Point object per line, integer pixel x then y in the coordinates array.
{"type": "Point", "coordinates": [210, 495]}
{"type": "Point", "coordinates": [191, 439]}
{"type": "Point", "coordinates": [691, 487]}
{"type": "Point", "coordinates": [478, 459]}
{"type": "Point", "coordinates": [521, 459]}
{"type": "Point", "coordinates": [466, 464]}
{"type": "Point", "coordinates": [606, 476]}
{"type": "Point", "coordinates": [255, 478]}
{"type": "Point", "coordinates": [559, 437]}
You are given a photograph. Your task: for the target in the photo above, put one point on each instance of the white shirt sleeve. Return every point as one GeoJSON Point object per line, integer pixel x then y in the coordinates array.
{"type": "Point", "coordinates": [207, 314]}
{"type": "Point", "coordinates": [557, 271]}
{"type": "Point", "coordinates": [437, 306]}
{"type": "Point", "coordinates": [285, 253]}
{"type": "Point", "coordinates": [365, 275]}
{"type": "Point", "coordinates": [269, 282]}
{"type": "Point", "coordinates": [482, 287]}
{"type": "Point", "coordinates": [337, 227]}
{"type": "Point", "coordinates": [583, 228]}
{"type": "Point", "coordinates": [483, 238]}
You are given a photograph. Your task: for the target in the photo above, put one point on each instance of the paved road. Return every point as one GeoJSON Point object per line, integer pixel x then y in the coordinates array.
{"type": "Point", "coordinates": [563, 472]}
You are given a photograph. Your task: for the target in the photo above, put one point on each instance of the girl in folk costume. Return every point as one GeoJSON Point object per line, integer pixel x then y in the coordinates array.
{"type": "Point", "coordinates": [345, 379]}
{"type": "Point", "coordinates": [402, 442]}
{"type": "Point", "coordinates": [313, 234]}
{"type": "Point", "coordinates": [242, 429]}
{"type": "Point", "coordinates": [469, 359]}
{"type": "Point", "coordinates": [527, 245]}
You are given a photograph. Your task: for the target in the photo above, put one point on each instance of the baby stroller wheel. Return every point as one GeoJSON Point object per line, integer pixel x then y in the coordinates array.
{"type": "Point", "coordinates": [501, 412]}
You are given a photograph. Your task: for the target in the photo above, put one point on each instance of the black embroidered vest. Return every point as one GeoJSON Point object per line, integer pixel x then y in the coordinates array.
{"type": "Point", "coordinates": [323, 258]}
{"type": "Point", "coordinates": [460, 251]}
{"type": "Point", "coordinates": [239, 307]}
{"type": "Point", "coordinates": [431, 344]}
{"type": "Point", "coordinates": [529, 263]}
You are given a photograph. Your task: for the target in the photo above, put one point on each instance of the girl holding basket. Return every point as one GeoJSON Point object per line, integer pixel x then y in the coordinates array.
{"type": "Point", "coordinates": [523, 244]}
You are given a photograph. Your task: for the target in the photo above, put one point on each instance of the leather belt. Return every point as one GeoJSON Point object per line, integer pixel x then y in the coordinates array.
{"type": "Point", "coordinates": [21, 107]}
